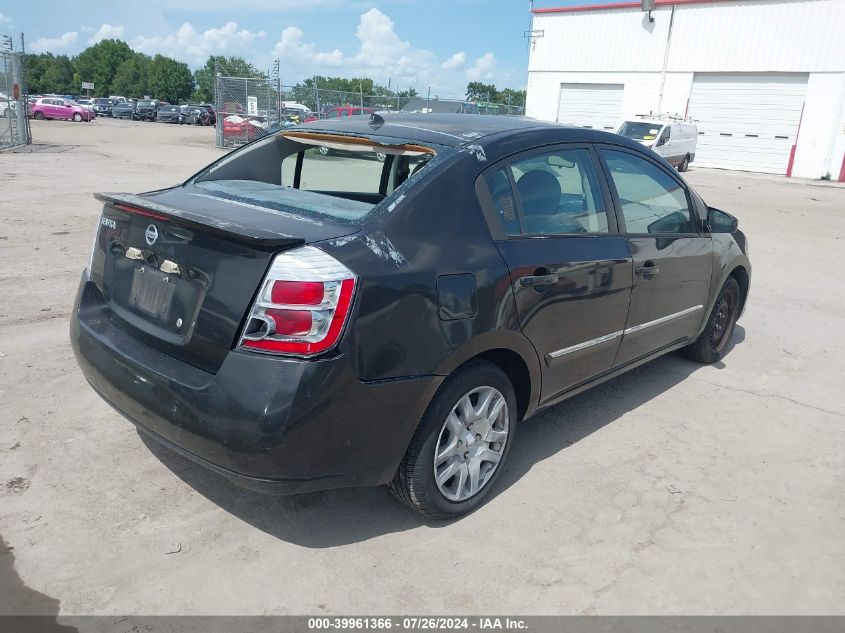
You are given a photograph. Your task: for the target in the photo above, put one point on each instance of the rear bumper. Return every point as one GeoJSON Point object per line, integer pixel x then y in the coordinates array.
{"type": "Point", "coordinates": [267, 423]}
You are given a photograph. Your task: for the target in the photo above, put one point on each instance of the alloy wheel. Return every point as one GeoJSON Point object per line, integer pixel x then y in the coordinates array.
{"type": "Point", "coordinates": [471, 443]}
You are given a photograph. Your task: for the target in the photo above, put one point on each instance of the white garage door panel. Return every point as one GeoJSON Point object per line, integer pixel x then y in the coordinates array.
{"type": "Point", "coordinates": [747, 121]}
{"type": "Point", "coordinates": [597, 106]}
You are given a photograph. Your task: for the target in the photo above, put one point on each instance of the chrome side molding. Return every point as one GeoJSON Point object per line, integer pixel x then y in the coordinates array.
{"type": "Point", "coordinates": [585, 345]}
{"type": "Point", "coordinates": [661, 320]}
{"type": "Point", "coordinates": [628, 330]}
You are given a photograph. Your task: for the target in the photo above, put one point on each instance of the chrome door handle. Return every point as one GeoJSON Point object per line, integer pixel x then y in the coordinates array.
{"type": "Point", "coordinates": [647, 271]}
{"type": "Point", "coordinates": [533, 281]}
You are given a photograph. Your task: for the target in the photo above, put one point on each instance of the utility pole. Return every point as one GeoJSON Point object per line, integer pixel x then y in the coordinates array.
{"type": "Point", "coordinates": [428, 100]}
{"type": "Point", "coordinates": [278, 87]}
{"type": "Point", "coordinates": [317, 93]}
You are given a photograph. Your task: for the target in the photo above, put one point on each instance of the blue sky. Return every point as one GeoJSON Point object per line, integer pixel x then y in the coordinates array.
{"type": "Point", "coordinates": [441, 43]}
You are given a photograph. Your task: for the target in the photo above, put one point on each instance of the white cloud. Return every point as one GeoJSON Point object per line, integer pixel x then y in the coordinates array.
{"type": "Point", "coordinates": [53, 44]}
{"type": "Point", "coordinates": [483, 68]}
{"type": "Point", "coordinates": [106, 32]}
{"type": "Point", "coordinates": [382, 54]}
{"type": "Point", "coordinates": [455, 61]}
{"type": "Point", "coordinates": [195, 47]}
{"type": "Point", "coordinates": [5, 20]}
{"type": "Point", "coordinates": [292, 50]}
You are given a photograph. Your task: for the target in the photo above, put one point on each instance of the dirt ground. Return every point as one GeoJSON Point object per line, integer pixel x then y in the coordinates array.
{"type": "Point", "coordinates": [675, 489]}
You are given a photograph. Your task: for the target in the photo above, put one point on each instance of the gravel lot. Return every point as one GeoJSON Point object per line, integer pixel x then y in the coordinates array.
{"type": "Point", "coordinates": [674, 489]}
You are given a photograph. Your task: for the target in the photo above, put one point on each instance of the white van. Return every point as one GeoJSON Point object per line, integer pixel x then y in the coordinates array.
{"type": "Point", "coordinates": [674, 140]}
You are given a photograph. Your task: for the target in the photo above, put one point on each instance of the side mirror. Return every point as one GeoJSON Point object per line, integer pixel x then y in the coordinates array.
{"type": "Point", "coordinates": [721, 222]}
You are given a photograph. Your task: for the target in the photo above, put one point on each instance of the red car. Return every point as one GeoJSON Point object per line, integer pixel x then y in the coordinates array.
{"type": "Point", "coordinates": [238, 129]}
{"type": "Point", "coordinates": [341, 111]}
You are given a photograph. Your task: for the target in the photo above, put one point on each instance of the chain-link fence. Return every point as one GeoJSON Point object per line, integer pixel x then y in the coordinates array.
{"type": "Point", "coordinates": [14, 124]}
{"type": "Point", "coordinates": [251, 108]}
{"type": "Point", "coordinates": [246, 108]}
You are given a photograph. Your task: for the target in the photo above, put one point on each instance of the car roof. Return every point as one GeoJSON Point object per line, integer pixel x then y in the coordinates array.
{"type": "Point", "coordinates": [442, 129]}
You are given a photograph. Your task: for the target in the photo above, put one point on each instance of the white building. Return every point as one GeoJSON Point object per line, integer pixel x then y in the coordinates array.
{"type": "Point", "coordinates": [764, 78]}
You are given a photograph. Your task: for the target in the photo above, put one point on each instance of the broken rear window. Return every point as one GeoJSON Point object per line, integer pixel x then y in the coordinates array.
{"type": "Point", "coordinates": [343, 178]}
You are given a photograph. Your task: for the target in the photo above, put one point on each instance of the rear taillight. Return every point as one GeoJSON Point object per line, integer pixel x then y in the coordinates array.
{"type": "Point", "coordinates": [302, 306]}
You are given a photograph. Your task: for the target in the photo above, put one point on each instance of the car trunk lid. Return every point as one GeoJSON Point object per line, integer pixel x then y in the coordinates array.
{"type": "Point", "coordinates": [179, 268]}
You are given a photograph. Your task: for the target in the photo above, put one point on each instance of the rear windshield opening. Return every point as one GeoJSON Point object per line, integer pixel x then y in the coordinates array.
{"type": "Point", "coordinates": [340, 178]}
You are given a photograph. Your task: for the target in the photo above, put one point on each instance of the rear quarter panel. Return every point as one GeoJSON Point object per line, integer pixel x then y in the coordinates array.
{"type": "Point", "coordinates": [437, 229]}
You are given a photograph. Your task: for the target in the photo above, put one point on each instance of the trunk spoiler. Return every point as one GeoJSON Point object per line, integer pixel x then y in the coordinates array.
{"type": "Point", "coordinates": [255, 236]}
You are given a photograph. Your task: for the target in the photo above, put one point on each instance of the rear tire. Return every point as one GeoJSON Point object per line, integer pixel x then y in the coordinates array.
{"type": "Point", "coordinates": [684, 164]}
{"type": "Point", "coordinates": [470, 425]}
{"type": "Point", "coordinates": [713, 342]}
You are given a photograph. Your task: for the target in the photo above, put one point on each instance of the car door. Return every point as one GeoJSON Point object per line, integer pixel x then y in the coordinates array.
{"type": "Point", "coordinates": [672, 258]}
{"type": "Point", "coordinates": [570, 269]}
{"type": "Point", "coordinates": [49, 108]}
{"type": "Point", "coordinates": [663, 144]}
{"type": "Point", "coordinates": [63, 109]}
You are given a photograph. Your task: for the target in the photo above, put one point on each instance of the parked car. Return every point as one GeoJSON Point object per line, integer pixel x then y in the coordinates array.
{"type": "Point", "coordinates": [238, 129]}
{"type": "Point", "coordinates": [674, 140]}
{"type": "Point", "coordinates": [169, 114]}
{"type": "Point", "coordinates": [211, 111]}
{"type": "Point", "coordinates": [103, 107]}
{"type": "Point", "coordinates": [87, 104]}
{"type": "Point", "coordinates": [146, 109]}
{"type": "Point", "coordinates": [55, 108]}
{"type": "Point", "coordinates": [117, 99]}
{"type": "Point", "coordinates": [339, 112]}
{"type": "Point", "coordinates": [8, 107]}
{"type": "Point", "coordinates": [196, 115]}
{"type": "Point", "coordinates": [124, 110]}
{"type": "Point", "coordinates": [396, 322]}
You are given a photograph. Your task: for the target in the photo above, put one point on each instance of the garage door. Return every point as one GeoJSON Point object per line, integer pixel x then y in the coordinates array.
{"type": "Point", "coordinates": [597, 106]}
{"type": "Point", "coordinates": [747, 122]}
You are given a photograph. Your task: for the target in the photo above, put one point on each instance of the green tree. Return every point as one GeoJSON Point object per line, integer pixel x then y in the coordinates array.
{"type": "Point", "coordinates": [48, 73]}
{"type": "Point", "coordinates": [132, 77]}
{"type": "Point", "coordinates": [477, 91]}
{"type": "Point", "coordinates": [228, 67]}
{"type": "Point", "coordinates": [58, 76]}
{"type": "Point", "coordinates": [99, 63]}
{"type": "Point", "coordinates": [170, 80]}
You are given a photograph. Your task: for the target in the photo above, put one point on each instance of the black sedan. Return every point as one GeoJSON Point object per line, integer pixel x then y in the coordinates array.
{"type": "Point", "coordinates": [169, 114]}
{"type": "Point", "coordinates": [124, 111]}
{"type": "Point", "coordinates": [298, 323]}
{"type": "Point", "coordinates": [196, 115]}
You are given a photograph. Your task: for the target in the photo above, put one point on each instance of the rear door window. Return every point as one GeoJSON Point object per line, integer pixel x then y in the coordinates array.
{"type": "Point", "coordinates": [504, 202]}
{"type": "Point", "coordinates": [558, 193]}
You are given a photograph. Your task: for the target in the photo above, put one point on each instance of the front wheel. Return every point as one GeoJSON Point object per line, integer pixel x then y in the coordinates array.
{"type": "Point", "coordinates": [712, 344]}
{"type": "Point", "coordinates": [77, 117]}
{"type": "Point", "coordinates": [324, 151]}
{"type": "Point", "coordinates": [684, 164]}
{"type": "Point", "coordinates": [460, 445]}
{"type": "Point", "coordinates": [38, 116]}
